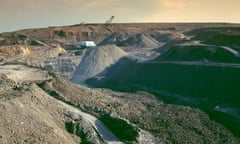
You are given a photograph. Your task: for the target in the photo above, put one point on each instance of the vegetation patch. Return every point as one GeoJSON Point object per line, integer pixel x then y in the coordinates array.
{"type": "Point", "coordinates": [120, 128]}
{"type": "Point", "coordinates": [22, 37]}
{"type": "Point", "coordinates": [60, 33]}
{"type": "Point", "coordinates": [34, 43]}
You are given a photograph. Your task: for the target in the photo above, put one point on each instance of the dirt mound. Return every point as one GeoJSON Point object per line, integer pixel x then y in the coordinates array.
{"type": "Point", "coordinates": [134, 40]}
{"type": "Point", "coordinates": [97, 60]}
{"type": "Point", "coordinates": [166, 36]}
{"type": "Point", "coordinates": [142, 40]}
{"type": "Point", "coordinates": [116, 38]}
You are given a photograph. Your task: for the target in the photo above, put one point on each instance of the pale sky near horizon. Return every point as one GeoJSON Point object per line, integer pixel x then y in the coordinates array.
{"type": "Point", "coordinates": [21, 14]}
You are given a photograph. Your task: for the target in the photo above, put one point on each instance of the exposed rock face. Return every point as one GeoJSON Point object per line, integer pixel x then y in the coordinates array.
{"type": "Point", "coordinates": [96, 60]}
{"type": "Point", "coordinates": [63, 66]}
{"type": "Point", "coordinates": [80, 127]}
{"type": "Point", "coordinates": [48, 58]}
{"type": "Point", "coordinates": [28, 53]}
{"type": "Point", "coordinates": [14, 51]}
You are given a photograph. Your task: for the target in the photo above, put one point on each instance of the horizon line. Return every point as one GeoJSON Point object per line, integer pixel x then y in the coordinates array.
{"type": "Point", "coordinates": [103, 23]}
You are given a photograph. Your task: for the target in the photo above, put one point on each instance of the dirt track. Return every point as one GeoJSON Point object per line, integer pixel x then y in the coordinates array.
{"type": "Point", "coordinates": [19, 73]}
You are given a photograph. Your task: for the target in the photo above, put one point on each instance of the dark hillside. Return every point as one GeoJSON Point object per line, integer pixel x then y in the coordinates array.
{"type": "Point", "coordinates": [204, 87]}
{"type": "Point", "coordinates": [198, 53]}
{"type": "Point", "coordinates": [226, 36]}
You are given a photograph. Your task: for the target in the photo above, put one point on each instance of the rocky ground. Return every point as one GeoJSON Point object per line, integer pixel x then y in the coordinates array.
{"type": "Point", "coordinates": [177, 124]}
{"type": "Point", "coordinates": [28, 115]}
{"type": "Point", "coordinates": [31, 114]}
{"type": "Point", "coordinates": [38, 103]}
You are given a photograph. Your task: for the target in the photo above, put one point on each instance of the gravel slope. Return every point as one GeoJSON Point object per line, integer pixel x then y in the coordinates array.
{"type": "Point", "coordinates": [96, 60]}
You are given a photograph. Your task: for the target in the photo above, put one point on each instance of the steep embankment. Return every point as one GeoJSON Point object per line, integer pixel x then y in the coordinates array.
{"type": "Point", "coordinates": [96, 60]}
{"type": "Point", "coordinates": [30, 116]}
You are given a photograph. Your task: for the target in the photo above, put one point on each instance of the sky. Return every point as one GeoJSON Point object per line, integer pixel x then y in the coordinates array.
{"type": "Point", "coordinates": [21, 14]}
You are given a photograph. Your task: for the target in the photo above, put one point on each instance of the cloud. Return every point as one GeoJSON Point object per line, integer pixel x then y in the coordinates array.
{"type": "Point", "coordinates": [19, 13]}
{"type": "Point", "coordinates": [123, 9]}
{"type": "Point", "coordinates": [179, 4]}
